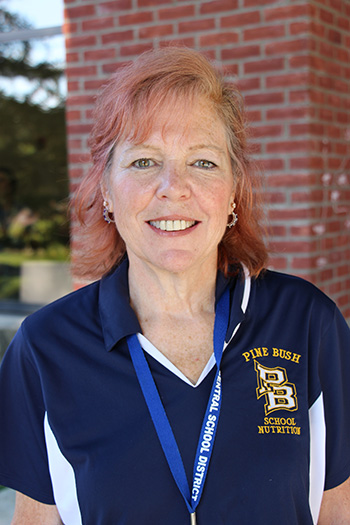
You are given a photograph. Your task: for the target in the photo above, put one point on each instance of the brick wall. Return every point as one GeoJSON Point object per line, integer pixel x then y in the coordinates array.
{"type": "Point", "coordinates": [292, 62]}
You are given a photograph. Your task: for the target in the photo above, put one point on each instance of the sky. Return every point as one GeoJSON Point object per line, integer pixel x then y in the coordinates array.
{"type": "Point", "coordinates": [41, 13]}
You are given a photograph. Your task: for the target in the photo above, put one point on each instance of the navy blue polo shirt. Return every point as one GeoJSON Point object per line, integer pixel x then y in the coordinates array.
{"type": "Point", "coordinates": [75, 429]}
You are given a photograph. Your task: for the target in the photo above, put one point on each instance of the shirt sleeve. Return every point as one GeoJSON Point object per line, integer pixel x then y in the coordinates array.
{"type": "Point", "coordinates": [23, 456]}
{"type": "Point", "coordinates": [334, 372]}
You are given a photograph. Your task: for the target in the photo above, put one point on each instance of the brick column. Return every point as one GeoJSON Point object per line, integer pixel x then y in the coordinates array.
{"type": "Point", "coordinates": [292, 62]}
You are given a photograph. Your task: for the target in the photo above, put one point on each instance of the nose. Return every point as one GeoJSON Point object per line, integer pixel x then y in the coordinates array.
{"type": "Point", "coordinates": [173, 183]}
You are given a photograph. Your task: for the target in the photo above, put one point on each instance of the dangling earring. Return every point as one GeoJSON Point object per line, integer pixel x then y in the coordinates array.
{"type": "Point", "coordinates": [106, 213]}
{"type": "Point", "coordinates": [234, 216]}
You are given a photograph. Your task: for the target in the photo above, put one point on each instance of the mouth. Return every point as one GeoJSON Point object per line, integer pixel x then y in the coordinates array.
{"type": "Point", "coordinates": [172, 226]}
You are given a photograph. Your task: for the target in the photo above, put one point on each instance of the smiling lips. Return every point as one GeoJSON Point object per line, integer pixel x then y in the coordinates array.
{"type": "Point", "coordinates": [172, 226]}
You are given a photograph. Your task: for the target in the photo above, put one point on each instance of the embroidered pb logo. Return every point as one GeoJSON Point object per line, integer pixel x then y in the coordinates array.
{"type": "Point", "coordinates": [273, 384]}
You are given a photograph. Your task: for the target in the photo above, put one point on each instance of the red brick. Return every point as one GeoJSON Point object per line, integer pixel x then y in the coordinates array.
{"type": "Point", "coordinates": [317, 29]}
{"type": "Point", "coordinates": [343, 23]}
{"type": "Point", "coordinates": [277, 263]}
{"type": "Point", "coordinates": [112, 67]}
{"type": "Point", "coordinates": [196, 25]}
{"type": "Point", "coordinates": [69, 27]}
{"type": "Point", "coordinates": [277, 230]}
{"type": "Point", "coordinates": [118, 36]}
{"type": "Point", "coordinates": [298, 62]}
{"type": "Point", "coordinates": [113, 7]}
{"type": "Point", "coordinates": [291, 180]}
{"type": "Point", "coordinates": [270, 64]}
{"type": "Point", "coordinates": [79, 100]}
{"type": "Point", "coordinates": [292, 213]}
{"type": "Point", "coordinates": [301, 263]}
{"type": "Point", "coordinates": [151, 3]}
{"type": "Point", "coordinates": [254, 116]}
{"type": "Point", "coordinates": [286, 12]}
{"type": "Point", "coordinates": [217, 6]}
{"type": "Point", "coordinates": [335, 36]}
{"type": "Point", "coordinates": [299, 96]}
{"type": "Point", "coordinates": [293, 247]}
{"type": "Point", "coordinates": [77, 158]}
{"type": "Point", "coordinates": [306, 163]}
{"type": "Point", "coordinates": [302, 231]}
{"type": "Point", "coordinates": [271, 164]}
{"type": "Point", "coordinates": [80, 11]}
{"type": "Point", "coordinates": [80, 41]}
{"type": "Point", "coordinates": [296, 28]}
{"type": "Point", "coordinates": [343, 271]}
{"type": "Point", "coordinates": [72, 57]}
{"type": "Point", "coordinates": [289, 146]}
{"type": "Point", "coordinates": [83, 71]}
{"type": "Point", "coordinates": [326, 114]}
{"type": "Point", "coordinates": [187, 42]}
{"type": "Point", "coordinates": [240, 52]}
{"type": "Point", "coordinates": [73, 115]}
{"type": "Point", "coordinates": [93, 85]}
{"type": "Point", "coordinates": [326, 16]}
{"type": "Point", "coordinates": [291, 46]}
{"type": "Point", "coordinates": [134, 49]}
{"type": "Point", "coordinates": [264, 98]}
{"type": "Point", "coordinates": [311, 128]}
{"type": "Point", "coordinates": [156, 31]}
{"type": "Point", "coordinates": [73, 86]}
{"type": "Point", "coordinates": [287, 80]}
{"type": "Point", "coordinates": [255, 3]}
{"type": "Point", "coordinates": [218, 39]}
{"type": "Point", "coordinates": [274, 197]}
{"type": "Point", "coordinates": [241, 19]}
{"type": "Point", "coordinates": [97, 23]}
{"type": "Point", "coordinates": [264, 32]}
{"type": "Point", "coordinates": [266, 131]}
{"type": "Point", "coordinates": [246, 84]}
{"type": "Point", "coordinates": [287, 113]}
{"type": "Point", "coordinates": [176, 12]}
{"type": "Point", "coordinates": [75, 144]}
{"type": "Point", "coordinates": [78, 129]}
{"type": "Point", "coordinates": [100, 54]}
{"type": "Point", "coordinates": [343, 55]}
{"type": "Point", "coordinates": [307, 196]}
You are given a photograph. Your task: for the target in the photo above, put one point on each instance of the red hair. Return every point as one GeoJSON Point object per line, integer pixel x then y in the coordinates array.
{"type": "Point", "coordinates": [124, 109]}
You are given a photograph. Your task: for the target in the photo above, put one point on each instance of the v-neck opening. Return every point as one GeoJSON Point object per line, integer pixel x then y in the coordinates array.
{"type": "Point", "coordinates": [164, 361]}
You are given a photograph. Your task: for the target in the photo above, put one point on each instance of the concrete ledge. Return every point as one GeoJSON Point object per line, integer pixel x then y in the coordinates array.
{"type": "Point", "coordinates": [44, 281]}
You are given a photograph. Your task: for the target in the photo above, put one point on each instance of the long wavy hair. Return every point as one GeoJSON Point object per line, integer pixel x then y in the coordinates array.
{"type": "Point", "coordinates": [124, 109]}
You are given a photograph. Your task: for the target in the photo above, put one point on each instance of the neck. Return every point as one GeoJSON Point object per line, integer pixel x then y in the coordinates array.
{"type": "Point", "coordinates": [158, 292]}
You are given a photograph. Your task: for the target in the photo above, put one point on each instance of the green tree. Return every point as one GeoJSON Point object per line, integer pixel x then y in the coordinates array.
{"type": "Point", "coordinates": [33, 163]}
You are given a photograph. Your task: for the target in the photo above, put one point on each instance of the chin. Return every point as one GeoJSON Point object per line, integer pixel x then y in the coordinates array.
{"type": "Point", "coordinates": [180, 261]}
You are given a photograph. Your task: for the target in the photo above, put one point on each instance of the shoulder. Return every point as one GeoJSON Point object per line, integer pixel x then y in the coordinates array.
{"type": "Point", "coordinates": [292, 295]}
{"type": "Point", "coordinates": [284, 285]}
{"type": "Point", "coordinates": [79, 307]}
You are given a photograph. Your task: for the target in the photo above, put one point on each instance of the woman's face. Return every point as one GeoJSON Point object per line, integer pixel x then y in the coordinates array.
{"type": "Point", "coordinates": [171, 194]}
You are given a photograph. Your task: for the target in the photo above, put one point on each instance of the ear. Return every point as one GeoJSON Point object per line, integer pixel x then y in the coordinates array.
{"type": "Point", "coordinates": [230, 204]}
{"type": "Point", "coordinates": [106, 195]}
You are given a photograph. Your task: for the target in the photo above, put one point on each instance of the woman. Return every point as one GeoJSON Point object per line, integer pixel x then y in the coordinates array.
{"type": "Point", "coordinates": [187, 385]}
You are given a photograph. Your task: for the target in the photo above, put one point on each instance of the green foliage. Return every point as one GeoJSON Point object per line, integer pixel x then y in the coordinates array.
{"type": "Point", "coordinates": [33, 160]}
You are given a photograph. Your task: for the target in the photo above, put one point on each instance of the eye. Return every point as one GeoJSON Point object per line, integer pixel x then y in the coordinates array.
{"type": "Point", "coordinates": [143, 164]}
{"type": "Point", "coordinates": [205, 164]}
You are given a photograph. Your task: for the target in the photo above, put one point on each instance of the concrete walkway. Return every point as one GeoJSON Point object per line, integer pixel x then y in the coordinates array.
{"type": "Point", "coordinates": [7, 505]}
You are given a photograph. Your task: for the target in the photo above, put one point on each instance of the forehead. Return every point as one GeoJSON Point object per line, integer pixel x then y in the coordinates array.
{"type": "Point", "coordinates": [181, 116]}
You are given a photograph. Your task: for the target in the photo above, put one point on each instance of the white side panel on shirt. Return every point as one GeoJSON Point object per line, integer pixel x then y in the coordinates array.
{"type": "Point", "coordinates": [317, 456]}
{"type": "Point", "coordinates": [63, 480]}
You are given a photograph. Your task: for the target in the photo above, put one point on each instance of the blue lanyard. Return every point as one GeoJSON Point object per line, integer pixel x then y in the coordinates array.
{"type": "Point", "coordinates": [160, 419]}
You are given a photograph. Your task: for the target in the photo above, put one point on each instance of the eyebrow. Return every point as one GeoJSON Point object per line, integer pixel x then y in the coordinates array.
{"type": "Point", "coordinates": [195, 147]}
{"type": "Point", "coordinates": [207, 146]}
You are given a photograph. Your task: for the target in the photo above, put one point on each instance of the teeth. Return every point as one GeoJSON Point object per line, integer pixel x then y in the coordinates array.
{"type": "Point", "coordinates": [172, 226]}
